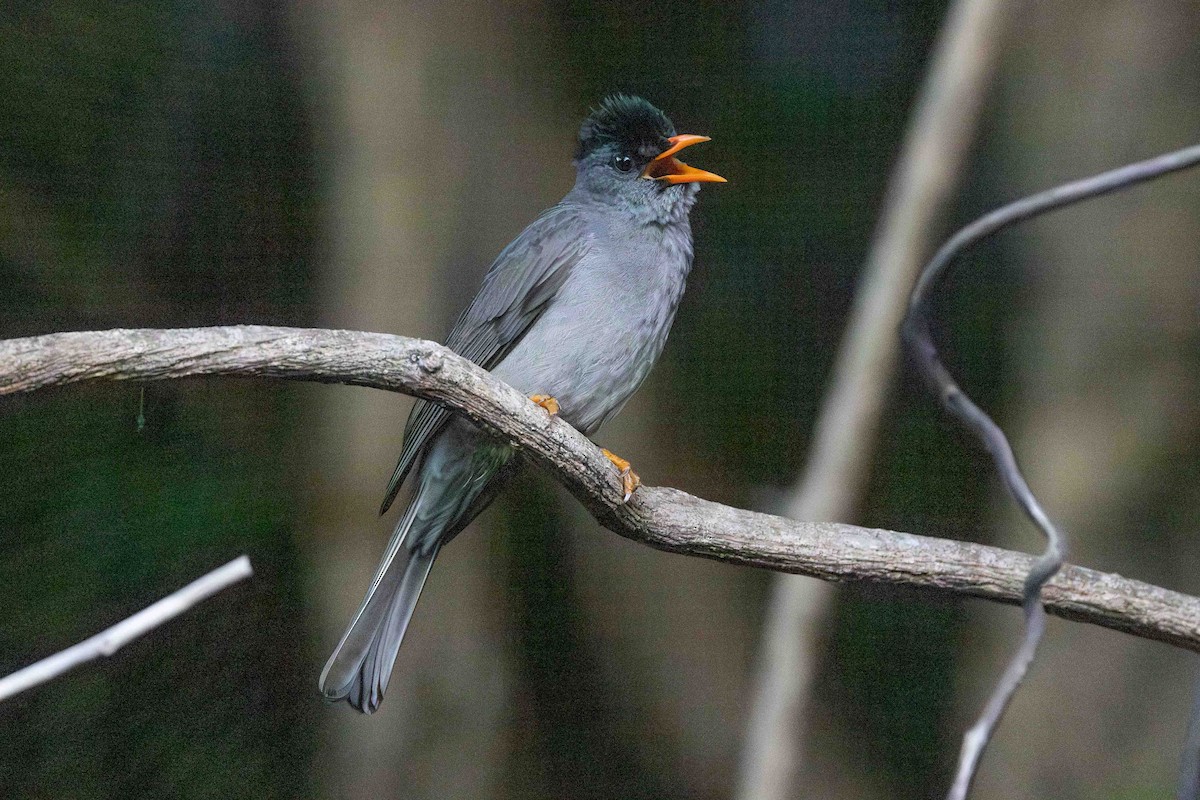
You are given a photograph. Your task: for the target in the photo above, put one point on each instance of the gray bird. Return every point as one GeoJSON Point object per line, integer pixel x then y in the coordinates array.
{"type": "Point", "coordinates": [574, 312]}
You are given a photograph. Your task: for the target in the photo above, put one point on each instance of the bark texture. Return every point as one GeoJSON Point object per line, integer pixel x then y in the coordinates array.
{"type": "Point", "coordinates": [666, 519]}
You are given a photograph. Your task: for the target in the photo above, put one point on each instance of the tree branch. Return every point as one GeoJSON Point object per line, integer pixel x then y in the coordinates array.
{"type": "Point", "coordinates": [113, 639]}
{"type": "Point", "coordinates": [666, 519]}
{"type": "Point", "coordinates": [919, 340]}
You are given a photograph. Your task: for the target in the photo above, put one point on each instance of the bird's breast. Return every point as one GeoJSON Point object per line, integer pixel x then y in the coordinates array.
{"type": "Point", "coordinates": [602, 332]}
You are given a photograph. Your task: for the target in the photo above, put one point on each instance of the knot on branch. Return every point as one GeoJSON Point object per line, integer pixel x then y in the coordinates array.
{"type": "Point", "coordinates": [430, 363]}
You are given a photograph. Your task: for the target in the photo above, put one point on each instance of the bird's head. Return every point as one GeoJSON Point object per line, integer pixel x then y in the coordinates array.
{"type": "Point", "coordinates": [626, 156]}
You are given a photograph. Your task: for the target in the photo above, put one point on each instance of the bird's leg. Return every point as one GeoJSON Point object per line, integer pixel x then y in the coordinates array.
{"type": "Point", "coordinates": [547, 402]}
{"type": "Point", "coordinates": [629, 479]}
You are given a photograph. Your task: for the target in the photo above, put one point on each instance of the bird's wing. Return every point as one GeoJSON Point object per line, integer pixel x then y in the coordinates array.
{"type": "Point", "coordinates": [516, 290]}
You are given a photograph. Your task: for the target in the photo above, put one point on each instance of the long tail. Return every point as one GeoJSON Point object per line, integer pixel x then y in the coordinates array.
{"type": "Point", "coordinates": [361, 664]}
{"type": "Point", "coordinates": [458, 477]}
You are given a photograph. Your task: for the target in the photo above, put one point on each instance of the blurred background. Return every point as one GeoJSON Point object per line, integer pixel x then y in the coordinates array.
{"type": "Point", "coordinates": [358, 165]}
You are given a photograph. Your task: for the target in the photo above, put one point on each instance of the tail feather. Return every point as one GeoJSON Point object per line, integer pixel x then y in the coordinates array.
{"type": "Point", "coordinates": [360, 667]}
{"type": "Point", "coordinates": [457, 479]}
{"type": "Point", "coordinates": [357, 670]}
{"type": "Point", "coordinates": [370, 681]}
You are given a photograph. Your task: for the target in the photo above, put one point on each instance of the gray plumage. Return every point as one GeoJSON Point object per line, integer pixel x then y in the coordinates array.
{"type": "Point", "coordinates": [577, 307]}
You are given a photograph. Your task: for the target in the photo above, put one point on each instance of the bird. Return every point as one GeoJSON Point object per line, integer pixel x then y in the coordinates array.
{"type": "Point", "coordinates": [573, 312]}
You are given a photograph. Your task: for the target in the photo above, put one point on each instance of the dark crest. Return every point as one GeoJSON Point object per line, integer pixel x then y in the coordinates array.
{"type": "Point", "coordinates": [627, 121]}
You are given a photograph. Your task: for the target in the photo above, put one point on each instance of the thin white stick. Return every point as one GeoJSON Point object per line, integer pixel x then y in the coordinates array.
{"type": "Point", "coordinates": [110, 641]}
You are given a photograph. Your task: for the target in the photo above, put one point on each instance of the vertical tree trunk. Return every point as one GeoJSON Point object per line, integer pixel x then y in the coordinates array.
{"type": "Point", "coordinates": [434, 158]}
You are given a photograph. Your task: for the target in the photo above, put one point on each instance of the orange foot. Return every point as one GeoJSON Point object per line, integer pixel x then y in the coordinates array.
{"type": "Point", "coordinates": [629, 479]}
{"type": "Point", "coordinates": [547, 402]}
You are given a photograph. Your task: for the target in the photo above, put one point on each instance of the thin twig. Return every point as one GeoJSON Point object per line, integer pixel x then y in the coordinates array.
{"type": "Point", "coordinates": [666, 519]}
{"type": "Point", "coordinates": [113, 639]}
{"type": "Point", "coordinates": [924, 179]}
{"type": "Point", "coordinates": [919, 339]}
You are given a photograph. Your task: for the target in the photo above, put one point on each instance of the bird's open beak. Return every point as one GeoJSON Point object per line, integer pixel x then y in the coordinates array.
{"type": "Point", "coordinates": [665, 167]}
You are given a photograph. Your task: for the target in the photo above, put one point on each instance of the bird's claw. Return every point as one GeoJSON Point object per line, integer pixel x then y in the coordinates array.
{"type": "Point", "coordinates": [629, 479]}
{"type": "Point", "coordinates": [547, 402]}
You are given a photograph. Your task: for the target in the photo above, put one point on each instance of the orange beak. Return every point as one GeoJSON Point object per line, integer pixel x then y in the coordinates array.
{"type": "Point", "coordinates": [665, 167]}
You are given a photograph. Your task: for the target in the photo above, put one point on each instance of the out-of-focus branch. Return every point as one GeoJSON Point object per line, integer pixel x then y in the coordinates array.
{"type": "Point", "coordinates": [113, 639]}
{"type": "Point", "coordinates": [919, 339]}
{"type": "Point", "coordinates": [926, 174]}
{"type": "Point", "coordinates": [666, 519]}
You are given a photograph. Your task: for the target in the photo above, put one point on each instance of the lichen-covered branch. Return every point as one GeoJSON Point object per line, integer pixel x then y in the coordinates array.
{"type": "Point", "coordinates": [666, 519]}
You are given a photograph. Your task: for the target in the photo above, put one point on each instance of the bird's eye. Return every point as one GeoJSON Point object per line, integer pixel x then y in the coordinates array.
{"type": "Point", "coordinates": [623, 163]}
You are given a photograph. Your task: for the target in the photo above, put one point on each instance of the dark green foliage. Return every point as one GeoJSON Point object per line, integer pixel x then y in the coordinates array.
{"type": "Point", "coordinates": [577, 742]}
{"type": "Point", "coordinates": [153, 171]}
